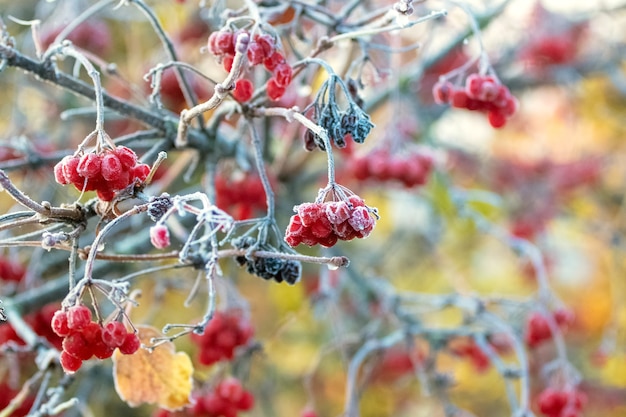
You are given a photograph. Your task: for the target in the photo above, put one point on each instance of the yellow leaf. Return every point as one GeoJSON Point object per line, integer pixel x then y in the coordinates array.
{"type": "Point", "coordinates": [161, 376]}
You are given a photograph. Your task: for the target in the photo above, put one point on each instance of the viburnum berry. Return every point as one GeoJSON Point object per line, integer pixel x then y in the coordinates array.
{"type": "Point", "coordinates": [114, 333]}
{"type": "Point", "coordinates": [481, 93]}
{"type": "Point", "coordinates": [106, 172]}
{"type": "Point", "coordinates": [222, 336]}
{"type": "Point", "coordinates": [76, 345]}
{"type": "Point", "coordinates": [561, 402]}
{"type": "Point", "coordinates": [160, 236]}
{"type": "Point", "coordinates": [111, 167]}
{"type": "Point", "coordinates": [60, 323]}
{"type": "Point", "coordinates": [272, 61]}
{"type": "Point", "coordinates": [442, 92]}
{"type": "Point", "coordinates": [282, 74]}
{"type": "Point", "coordinates": [537, 327]}
{"type": "Point", "coordinates": [70, 363]}
{"type": "Point", "coordinates": [325, 223]}
{"type": "Point", "coordinates": [274, 90]}
{"type": "Point", "coordinates": [78, 317]}
{"type": "Point", "coordinates": [256, 55]}
{"type": "Point", "coordinates": [267, 42]}
{"type": "Point", "coordinates": [89, 166]}
{"type": "Point", "coordinates": [127, 157]}
{"type": "Point", "coordinates": [243, 90]}
{"type": "Point", "coordinates": [130, 345]}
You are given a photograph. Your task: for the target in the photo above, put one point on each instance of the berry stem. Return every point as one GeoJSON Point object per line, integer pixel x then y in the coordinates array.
{"type": "Point", "coordinates": [220, 92]}
{"type": "Point", "coordinates": [190, 96]}
{"type": "Point", "coordinates": [260, 166]}
{"type": "Point", "coordinates": [93, 250]}
{"type": "Point", "coordinates": [44, 210]}
{"type": "Point", "coordinates": [102, 138]}
{"type": "Point", "coordinates": [376, 30]}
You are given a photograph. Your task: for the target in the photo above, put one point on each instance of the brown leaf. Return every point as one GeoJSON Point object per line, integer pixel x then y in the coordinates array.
{"type": "Point", "coordinates": [161, 376]}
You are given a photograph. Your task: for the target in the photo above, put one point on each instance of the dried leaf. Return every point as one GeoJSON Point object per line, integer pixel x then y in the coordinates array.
{"type": "Point", "coordinates": [161, 376]}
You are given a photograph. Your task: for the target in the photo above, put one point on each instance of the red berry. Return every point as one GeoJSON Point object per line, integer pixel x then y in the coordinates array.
{"type": "Point", "coordinates": [70, 165]}
{"type": "Point", "coordinates": [310, 212]}
{"type": "Point", "coordinates": [337, 211]}
{"type": "Point", "coordinates": [78, 317]}
{"type": "Point", "coordinates": [76, 345]}
{"type": "Point", "coordinates": [266, 41]}
{"type": "Point", "coordinates": [442, 92]}
{"type": "Point", "coordinates": [460, 99]}
{"type": "Point", "coordinates": [89, 165]}
{"type": "Point", "coordinates": [243, 90]}
{"type": "Point", "coordinates": [224, 42]}
{"type": "Point", "coordinates": [59, 323]}
{"type": "Point", "coordinates": [114, 333]}
{"type": "Point", "coordinates": [227, 62]}
{"type": "Point", "coordinates": [140, 172]}
{"type": "Point", "coordinates": [496, 118]}
{"type": "Point", "coordinates": [111, 167]}
{"type": "Point", "coordinates": [131, 344]}
{"type": "Point", "coordinates": [473, 85]}
{"type": "Point", "coordinates": [121, 182]}
{"type": "Point", "coordinates": [256, 54]}
{"type": "Point", "coordinates": [361, 221]}
{"type": "Point", "coordinates": [127, 156]}
{"type": "Point", "coordinates": [160, 236]}
{"type": "Point", "coordinates": [274, 91]}
{"type": "Point", "coordinates": [282, 74]}
{"type": "Point", "coordinates": [272, 61]}
{"type": "Point", "coordinates": [329, 241]}
{"type": "Point", "coordinates": [59, 174]}
{"type": "Point", "coordinates": [70, 363]}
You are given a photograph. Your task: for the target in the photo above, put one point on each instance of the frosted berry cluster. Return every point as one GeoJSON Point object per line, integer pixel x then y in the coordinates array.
{"type": "Point", "coordinates": [538, 329]}
{"type": "Point", "coordinates": [268, 268]}
{"type": "Point", "coordinates": [10, 270]}
{"type": "Point", "coordinates": [241, 197]}
{"type": "Point", "coordinates": [326, 223]}
{"type": "Point", "coordinates": [84, 339]}
{"type": "Point", "coordinates": [226, 399]}
{"type": "Point", "coordinates": [261, 51]}
{"type": "Point", "coordinates": [222, 336]}
{"type": "Point", "coordinates": [481, 93]}
{"type": "Point", "coordinates": [410, 169]}
{"type": "Point", "coordinates": [561, 403]}
{"type": "Point", "coordinates": [105, 172]}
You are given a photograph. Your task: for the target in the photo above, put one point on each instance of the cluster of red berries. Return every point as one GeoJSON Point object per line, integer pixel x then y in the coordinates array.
{"type": "Point", "coordinates": [226, 399]}
{"type": "Point", "coordinates": [84, 339]}
{"type": "Point", "coordinates": [538, 329]}
{"type": "Point", "coordinates": [10, 270]}
{"type": "Point", "coordinates": [561, 403]}
{"type": "Point", "coordinates": [222, 336]}
{"type": "Point", "coordinates": [410, 169]}
{"type": "Point", "coordinates": [327, 222]}
{"type": "Point", "coordinates": [481, 93]}
{"type": "Point", "coordinates": [261, 50]}
{"type": "Point", "coordinates": [39, 321]}
{"type": "Point", "coordinates": [105, 172]}
{"type": "Point", "coordinates": [240, 197]}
